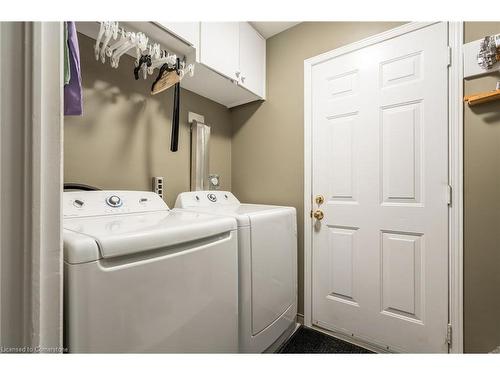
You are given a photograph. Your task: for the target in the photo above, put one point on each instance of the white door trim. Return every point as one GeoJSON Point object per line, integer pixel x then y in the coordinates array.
{"type": "Point", "coordinates": [455, 118]}
{"type": "Point", "coordinates": [35, 201]}
{"type": "Point", "coordinates": [1, 49]}
{"type": "Point", "coordinates": [44, 59]}
{"type": "Point", "coordinates": [456, 178]}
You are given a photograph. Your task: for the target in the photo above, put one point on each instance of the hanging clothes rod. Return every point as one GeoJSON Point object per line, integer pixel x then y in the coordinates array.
{"type": "Point", "coordinates": [113, 42]}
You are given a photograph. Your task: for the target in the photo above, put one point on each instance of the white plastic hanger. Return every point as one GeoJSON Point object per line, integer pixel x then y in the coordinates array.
{"type": "Point", "coordinates": [189, 70]}
{"type": "Point", "coordinates": [130, 43]}
{"type": "Point", "coordinates": [102, 29]}
{"type": "Point", "coordinates": [110, 32]}
{"type": "Point", "coordinates": [156, 52]}
{"type": "Point", "coordinates": [128, 40]}
{"type": "Point", "coordinates": [166, 59]}
{"type": "Point", "coordinates": [141, 44]}
{"type": "Point", "coordinates": [120, 42]}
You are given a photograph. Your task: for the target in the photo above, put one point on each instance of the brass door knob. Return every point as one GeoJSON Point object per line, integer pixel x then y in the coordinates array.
{"type": "Point", "coordinates": [318, 215]}
{"type": "Point", "coordinates": [319, 199]}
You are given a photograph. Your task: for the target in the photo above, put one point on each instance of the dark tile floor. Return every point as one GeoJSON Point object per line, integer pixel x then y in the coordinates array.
{"type": "Point", "coordinates": [308, 341]}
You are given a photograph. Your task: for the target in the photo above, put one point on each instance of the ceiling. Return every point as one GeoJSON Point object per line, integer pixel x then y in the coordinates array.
{"type": "Point", "coordinates": [268, 29]}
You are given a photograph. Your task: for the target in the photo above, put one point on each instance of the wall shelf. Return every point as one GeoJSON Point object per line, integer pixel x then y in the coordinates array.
{"type": "Point", "coordinates": [484, 97]}
{"type": "Point", "coordinates": [471, 68]}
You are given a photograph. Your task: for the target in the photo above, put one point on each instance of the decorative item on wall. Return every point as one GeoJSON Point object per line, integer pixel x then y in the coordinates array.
{"type": "Point", "coordinates": [488, 52]}
{"type": "Point", "coordinates": [481, 56]}
{"type": "Point", "coordinates": [149, 56]}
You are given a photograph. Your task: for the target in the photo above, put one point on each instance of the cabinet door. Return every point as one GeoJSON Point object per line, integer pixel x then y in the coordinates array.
{"type": "Point", "coordinates": [219, 47]}
{"type": "Point", "coordinates": [187, 31]}
{"type": "Point", "coordinates": [252, 60]}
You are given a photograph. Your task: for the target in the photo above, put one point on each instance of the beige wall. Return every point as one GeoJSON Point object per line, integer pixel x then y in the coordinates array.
{"type": "Point", "coordinates": [482, 209]}
{"type": "Point", "coordinates": [123, 138]}
{"type": "Point", "coordinates": [267, 148]}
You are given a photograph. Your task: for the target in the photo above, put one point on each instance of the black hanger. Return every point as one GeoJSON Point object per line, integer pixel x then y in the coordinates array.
{"type": "Point", "coordinates": [144, 59]}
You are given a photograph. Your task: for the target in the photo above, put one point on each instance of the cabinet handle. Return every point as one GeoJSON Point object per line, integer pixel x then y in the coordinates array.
{"type": "Point", "coordinates": [237, 74]}
{"type": "Point", "coordinates": [243, 79]}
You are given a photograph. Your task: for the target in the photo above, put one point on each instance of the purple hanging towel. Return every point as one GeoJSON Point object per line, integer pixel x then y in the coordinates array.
{"type": "Point", "coordinates": [73, 90]}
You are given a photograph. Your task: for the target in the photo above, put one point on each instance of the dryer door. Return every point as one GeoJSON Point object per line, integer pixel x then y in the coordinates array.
{"type": "Point", "coordinates": [274, 265]}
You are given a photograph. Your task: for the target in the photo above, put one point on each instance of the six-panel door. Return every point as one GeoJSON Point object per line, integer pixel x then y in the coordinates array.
{"type": "Point", "coordinates": [380, 156]}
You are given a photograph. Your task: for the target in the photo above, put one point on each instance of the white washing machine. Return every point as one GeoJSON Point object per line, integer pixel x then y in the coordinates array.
{"type": "Point", "coordinates": [139, 277]}
{"type": "Point", "coordinates": [267, 240]}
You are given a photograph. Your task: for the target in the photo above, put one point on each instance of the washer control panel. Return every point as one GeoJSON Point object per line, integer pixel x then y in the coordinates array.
{"type": "Point", "coordinates": [98, 203]}
{"type": "Point", "coordinates": [114, 201]}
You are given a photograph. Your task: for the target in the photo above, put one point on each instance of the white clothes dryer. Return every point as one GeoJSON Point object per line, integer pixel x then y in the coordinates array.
{"type": "Point", "coordinates": [267, 241]}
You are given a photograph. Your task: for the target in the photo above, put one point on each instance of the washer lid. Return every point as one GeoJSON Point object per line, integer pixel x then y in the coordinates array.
{"type": "Point", "coordinates": [118, 235]}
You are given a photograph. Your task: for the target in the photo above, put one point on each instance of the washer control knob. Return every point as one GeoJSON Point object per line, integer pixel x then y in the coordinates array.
{"type": "Point", "coordinates": [114, 201]}
{"type": "Point", "coordinates": [78, 203]}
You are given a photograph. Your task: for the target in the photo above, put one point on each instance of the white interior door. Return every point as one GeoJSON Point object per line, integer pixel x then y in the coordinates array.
{"type": "Point", "coordinates": [380, 159]}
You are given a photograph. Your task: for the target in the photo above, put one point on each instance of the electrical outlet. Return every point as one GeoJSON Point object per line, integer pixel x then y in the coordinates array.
{"type": "Point", "coordinates": [214, 182]}
{"type": "Point", "coordinates": [158, 185]}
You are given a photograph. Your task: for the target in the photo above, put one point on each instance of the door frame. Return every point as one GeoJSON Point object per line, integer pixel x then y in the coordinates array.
{"type": "Point", "coordinates": [44, 60]}
{"type": "Point", "coordinates": [39, 119]}
{"type": "Point", "coordinates": [455, 168]}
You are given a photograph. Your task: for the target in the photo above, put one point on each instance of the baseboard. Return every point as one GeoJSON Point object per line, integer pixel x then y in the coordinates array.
{"type": "Point", "coordinates": [276, 346]}
{"type": "Point", "coordinates": [300, 318]}
{"type": "Point", "coordinates": [340, 336]}
{"type": "Point", "coordinates": [351, 340]}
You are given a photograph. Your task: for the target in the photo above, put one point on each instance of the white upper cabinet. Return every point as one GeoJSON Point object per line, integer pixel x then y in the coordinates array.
{"type": "Point", "coordinates": [189, 32]}
{"type": "Point", "coordinates": [252, 59]}
{"type": "Point", "coordinates": [219, 47]}
{"type": "Point", "coordinates": [237, 51]}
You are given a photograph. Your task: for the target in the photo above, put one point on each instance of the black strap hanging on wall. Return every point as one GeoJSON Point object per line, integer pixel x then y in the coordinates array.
{"type": "Point", "coordinates": [174, 138]}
